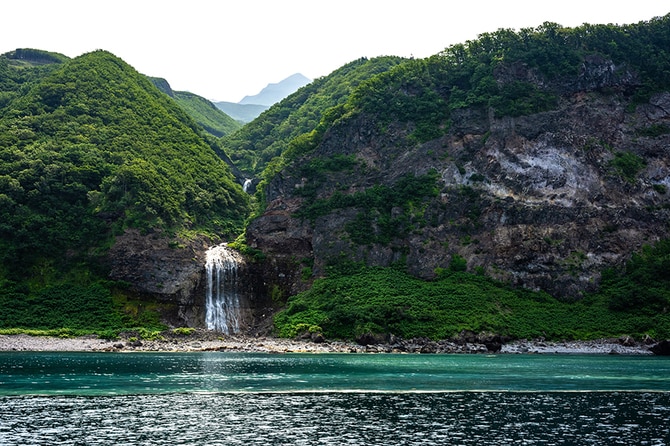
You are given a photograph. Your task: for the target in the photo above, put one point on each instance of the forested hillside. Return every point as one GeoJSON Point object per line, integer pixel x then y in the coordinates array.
{"type": "Point", "coordinates": [88, 149]}
{"type": "Point", "coordinates": [20, 68]}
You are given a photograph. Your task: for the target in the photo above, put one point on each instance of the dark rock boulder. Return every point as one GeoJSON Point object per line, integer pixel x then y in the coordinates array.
{"type": "Point", "coordinates": [661, 349]}
{"type": "Point", "coordinates": [157, 266]}
{"type": "Point", "coordinates": [318, 338]}
{"type": "Point", "coordinates": [369, 338]}
{"type": "Point", "coordinates": [493, 344]}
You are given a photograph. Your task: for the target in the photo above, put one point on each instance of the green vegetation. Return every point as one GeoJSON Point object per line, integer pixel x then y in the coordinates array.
{"type": "Point", "coordinates": [17, 75]}
{"type": "Point", "coordinates": [183, 331]}
{"type": "Point", "coordinates": [390, 301]}
{"type": "Point", "coordinates": [628, 165]}
{"type": "Point", "coordinates": [643, 286]}
{"type": "Point", "coordinates": [202, 111]}
{"type": "Point", "coordinates": [32, 57]}
{"type": "Point", "coordinates": [69, 309]}
{"type": "Point", "coordinates": [654, 130]}
{"type": "Point", "coordinates": [407, 93]}
{"type": "Point", "coordinates": [489, 72]}
{"type": "Point", "coordinates": [94, 148]}
{"type": "Point", "coordinates": [376, 222]}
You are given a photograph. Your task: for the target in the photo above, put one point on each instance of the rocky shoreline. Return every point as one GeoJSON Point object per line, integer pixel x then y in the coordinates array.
{"type": "Point", "coordinates": [208, 341]}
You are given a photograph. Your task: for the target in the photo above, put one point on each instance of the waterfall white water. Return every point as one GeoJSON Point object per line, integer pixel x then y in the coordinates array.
{"type": "Point", "coordinates": [246, 185]}
{"type": "Point", "coordinates": [222, 299]}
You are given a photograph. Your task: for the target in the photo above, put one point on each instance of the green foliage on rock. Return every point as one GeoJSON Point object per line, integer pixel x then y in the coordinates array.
{"type": "Point", "coordinates": [628, 165]}
{"type": "Point", "coordinates": [514, 73]}
{"type": "Point", "coordinates": [385, 212]}
{"type": "Point", "coordinates": [67, 308]}
{"type": "Point", "coordinates": [643, 286]}
{"type": "Point", "coordinates": [269, 135]}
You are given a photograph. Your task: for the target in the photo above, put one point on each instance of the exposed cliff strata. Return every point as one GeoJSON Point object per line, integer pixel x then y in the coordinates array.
{"type": "Point", "coordinates": [169, 270]}
{"type": "Point", "coordinates": [538, 200]}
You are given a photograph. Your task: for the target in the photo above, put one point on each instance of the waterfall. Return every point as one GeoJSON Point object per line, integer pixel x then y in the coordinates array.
{"type": "Point", "coordinates": [222, 299]}
{"type": "Point", "coordinates": [246, 185]}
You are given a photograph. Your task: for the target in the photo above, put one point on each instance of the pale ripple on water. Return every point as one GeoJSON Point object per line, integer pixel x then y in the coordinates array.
{"type": "Point", "coordinates": [462, 418]}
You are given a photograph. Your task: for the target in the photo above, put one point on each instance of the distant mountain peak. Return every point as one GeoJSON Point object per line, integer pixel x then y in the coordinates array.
{"type": "Point", "coordinates": [274, 93]}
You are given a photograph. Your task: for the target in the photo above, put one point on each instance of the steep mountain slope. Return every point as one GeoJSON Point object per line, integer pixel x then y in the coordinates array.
{"type": "Point", "coordinates": [92, 150]}
{"type": "Point", "coordinates": [539, 158]}
{"type": "Point", "coordinates": [258, 142]}
{"type": "Point", "coordinates": [205, 113]}
{"type": "Point", "coordinates": [22, 67]}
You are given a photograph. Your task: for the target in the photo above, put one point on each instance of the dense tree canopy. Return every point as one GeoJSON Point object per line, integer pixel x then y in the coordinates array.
{"type": "Point", "coordinates": [206, 114]}
{"type": "Point", "coordinates": [474, 73]}
{"type": "Point", "coordinates": [93, 146]}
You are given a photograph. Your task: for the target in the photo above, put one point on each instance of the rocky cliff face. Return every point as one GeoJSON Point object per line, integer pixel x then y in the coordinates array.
{"type": "Point", "coordinates": [545, 201]}
{"type": "Point", "coordinates": [170, 271]}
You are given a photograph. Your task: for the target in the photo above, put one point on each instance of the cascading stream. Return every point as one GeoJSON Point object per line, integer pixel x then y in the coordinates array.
{"type": "Point", "coordinates": [222, 299]}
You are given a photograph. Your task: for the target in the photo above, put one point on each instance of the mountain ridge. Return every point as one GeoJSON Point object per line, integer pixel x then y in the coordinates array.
{"type": "Point", "coordinates": [205, 113]}
{"type": "Point", "coordinates": [275, 92]}
{"type": "Point", "coordinates": [250, 107]}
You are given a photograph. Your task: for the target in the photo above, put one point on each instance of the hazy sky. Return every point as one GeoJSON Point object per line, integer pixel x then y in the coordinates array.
{"type": "Point", "coordinates": [224, 50]}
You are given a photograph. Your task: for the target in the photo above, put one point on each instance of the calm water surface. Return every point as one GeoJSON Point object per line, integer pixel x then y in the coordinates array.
{"type": "Point", "coordinates": [234, 398]}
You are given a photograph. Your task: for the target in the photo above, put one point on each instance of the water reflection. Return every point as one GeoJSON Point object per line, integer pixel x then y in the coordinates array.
{"type": "Point", "coordinates": [472, 418]}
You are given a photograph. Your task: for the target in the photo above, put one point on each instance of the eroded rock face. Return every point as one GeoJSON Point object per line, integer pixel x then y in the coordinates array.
{"type": "Point", "coordinates": [537, 201]}
{"type": "Point", "coordinates": [168, 270]}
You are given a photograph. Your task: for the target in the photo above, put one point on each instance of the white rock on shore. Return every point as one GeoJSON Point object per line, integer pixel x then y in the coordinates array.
{"type": "Point", "coordinates": [576, 347]}
{"type": "Point", "coordinates": [229, 343]}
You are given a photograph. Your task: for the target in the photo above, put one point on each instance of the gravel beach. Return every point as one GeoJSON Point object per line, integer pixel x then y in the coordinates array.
{"type": "Point", "coordinates": [208, 341]}
{"type": "Point", "coordinates": [173, 344]}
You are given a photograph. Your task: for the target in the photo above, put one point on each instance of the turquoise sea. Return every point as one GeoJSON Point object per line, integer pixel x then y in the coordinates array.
{"type": "Point", "coordinates": [218, 398]}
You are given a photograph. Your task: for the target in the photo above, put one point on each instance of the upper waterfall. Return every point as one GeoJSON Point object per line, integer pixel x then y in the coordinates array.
{"type": "Point", "coordinates": [222, 298]}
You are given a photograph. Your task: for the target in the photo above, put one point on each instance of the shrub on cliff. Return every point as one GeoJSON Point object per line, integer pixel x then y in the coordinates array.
{"type": "Point", "coordinates": [390, 301]}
